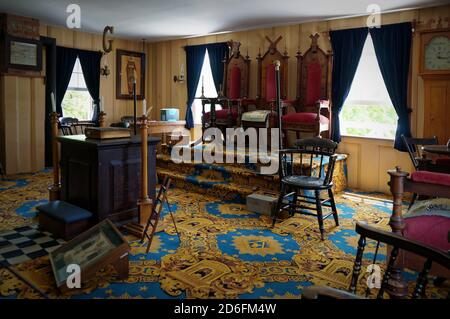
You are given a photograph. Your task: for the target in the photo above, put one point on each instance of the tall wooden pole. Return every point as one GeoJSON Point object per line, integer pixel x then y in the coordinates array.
{"type": "Point", "coordinates": [55, 189]}
{"type": "Point", "coordinates": [144, 203]}
{"type": "Point", "coordinates": [134, 107]}
{"type": "Point", "coordinates": [278, 102]}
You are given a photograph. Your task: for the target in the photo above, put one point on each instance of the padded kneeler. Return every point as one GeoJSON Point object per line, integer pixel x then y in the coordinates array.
{"type": "Point", "coordinates": [63, 220]}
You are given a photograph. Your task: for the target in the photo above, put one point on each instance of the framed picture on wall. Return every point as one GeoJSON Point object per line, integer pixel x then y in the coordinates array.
{"type": "Point", "coordinates": [23, 54]}
{"type": "Point", "coordinates": [129, 66]}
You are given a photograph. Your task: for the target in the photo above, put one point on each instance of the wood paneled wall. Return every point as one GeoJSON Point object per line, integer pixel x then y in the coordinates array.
{"type": "Point", "coordinates": [22, 99]}
{"type": "Point", "coordinates": [368, 158]}
{"type": "Point", "coordinates": [22, 102]}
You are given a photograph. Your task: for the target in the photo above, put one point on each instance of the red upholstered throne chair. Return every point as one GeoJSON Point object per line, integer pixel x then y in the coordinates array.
{"type": "Point", "coordinates": [427, 221]}
{"type": "Point", "coordinates": [233, 96]}
{"type": "Point", "coordinates": [312, 107]}
{"type": "Point", "coordinates": [265, 113]}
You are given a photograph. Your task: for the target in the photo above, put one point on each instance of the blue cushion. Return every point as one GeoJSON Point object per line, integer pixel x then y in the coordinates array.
{"type": "Point", "coordinates": [64, 212]}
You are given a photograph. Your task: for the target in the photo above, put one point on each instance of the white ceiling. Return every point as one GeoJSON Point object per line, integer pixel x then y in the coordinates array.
{"type": "Point", "coordinates": [164, 19]}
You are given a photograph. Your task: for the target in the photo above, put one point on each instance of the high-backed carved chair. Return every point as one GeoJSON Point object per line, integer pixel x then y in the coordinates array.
{"type": "Point", "coordinates": [233, 96]}
{"type": "Point", "coordinates": [265, 114]}
{"type": "Point", "coordinates": [313, 111]}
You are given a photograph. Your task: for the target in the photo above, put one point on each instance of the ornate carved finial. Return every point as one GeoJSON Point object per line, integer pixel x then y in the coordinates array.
{"type": "Point", "coordinates": [439, 23]}
{"type": "Point", "coordinates": [273, 44]}
{"type": "Point", "coordinates": [235, 46]}
{"type": "Point", "coordinates": [314, 39]}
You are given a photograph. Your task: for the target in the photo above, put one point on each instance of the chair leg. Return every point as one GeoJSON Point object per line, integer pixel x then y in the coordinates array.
{"type": "Point", "coordinates": [279, 204]}
{"type": "Point", "coordinates": [333, 207]}
{"type": "Point", "coordinates": [294, 203]}
{"type": "Point", "coordinates": [319, 213]}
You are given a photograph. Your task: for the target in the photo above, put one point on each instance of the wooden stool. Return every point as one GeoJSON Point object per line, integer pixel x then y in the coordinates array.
{"type": "Point", "coordinates": [63, 220]}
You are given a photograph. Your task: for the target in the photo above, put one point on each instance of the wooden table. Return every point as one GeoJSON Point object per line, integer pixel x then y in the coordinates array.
{"type": "Point", "coordinates": [437, 149]}
{"type": "Point", "coordinates": [102, 176]}
{"type": "Point", "coordinates": [164, 128]}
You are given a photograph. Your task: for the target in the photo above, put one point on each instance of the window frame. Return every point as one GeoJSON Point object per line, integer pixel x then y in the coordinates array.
{"type": "Point", "coordinates": [79, 89]}
{"type": "Point", "coordinates": [409, 98]}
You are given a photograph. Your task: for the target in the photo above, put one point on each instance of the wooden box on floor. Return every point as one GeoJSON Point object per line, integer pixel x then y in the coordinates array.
{"type": "Point", "coordinates": [93, 250]}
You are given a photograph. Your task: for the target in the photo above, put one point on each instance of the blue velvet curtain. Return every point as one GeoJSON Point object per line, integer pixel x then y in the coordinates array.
{"type": "Point", "coordinates": [90, 64]}
{"type": "Point", "coordinates": [393, 49]}
{"type": "Point", "coordinates": [217, 52]}
{"type": "Point", "coordinates": [65, 61]}
{"type": "Point", "coordinates": [347, 48]}
{"type": "Point", "coordinates": [195, 55]}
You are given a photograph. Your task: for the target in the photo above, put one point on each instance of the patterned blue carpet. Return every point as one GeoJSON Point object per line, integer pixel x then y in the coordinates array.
{"type": "Point", "coordinates": [225, 250]}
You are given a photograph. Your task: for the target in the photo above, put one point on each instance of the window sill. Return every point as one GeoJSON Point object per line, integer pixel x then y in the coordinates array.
{"type": "Point", "coordinates": [370, 138]}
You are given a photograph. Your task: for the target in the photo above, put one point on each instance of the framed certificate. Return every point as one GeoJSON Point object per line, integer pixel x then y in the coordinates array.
{"type": "Point", "coordinates": [23, 54]}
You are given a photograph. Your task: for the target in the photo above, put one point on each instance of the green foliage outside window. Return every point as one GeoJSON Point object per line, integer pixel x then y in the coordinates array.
{"type": "Point", "coordinates": [77, 104]}
{"type": "Point", "coordinates": [369, 121]}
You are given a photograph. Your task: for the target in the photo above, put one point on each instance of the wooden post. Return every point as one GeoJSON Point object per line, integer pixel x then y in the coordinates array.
{"type": "Point", "coordinates": [144, 203]}
{"type": "Point", "coordinates": [55, 189]}
{"type": "Point", "coordinates": [397, 288]}
{"type": "Point", "coordinates": [102, 119]}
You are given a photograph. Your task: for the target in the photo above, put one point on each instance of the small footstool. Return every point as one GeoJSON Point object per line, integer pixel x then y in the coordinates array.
{"type": "Point", "coordinates": [63, 220]}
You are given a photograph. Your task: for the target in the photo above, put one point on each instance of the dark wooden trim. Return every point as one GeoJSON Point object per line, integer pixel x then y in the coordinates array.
{"type": "Point", "coordinates": [50, 86]}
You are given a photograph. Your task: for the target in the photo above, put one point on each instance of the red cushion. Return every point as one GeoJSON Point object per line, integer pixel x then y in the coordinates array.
{"type": "Point", "coordinates": [314, 80]}
{"type": "Point", "coordinates": [304, 118]}
{"type": "Point", "coordinates": [234, 86]}
{"type": "Point", "coordinates": [431, 177]}
{"type": "Point", "coordinates": [430, 230]}
{"type": "Point", "coordinates": [223, 114]}
{"type": "Point", "coordinates": [271, 88]}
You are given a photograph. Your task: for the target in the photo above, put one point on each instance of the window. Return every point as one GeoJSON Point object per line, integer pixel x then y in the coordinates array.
{"type": "Point", "coordinates": [77, 101]}
{"type": "Point", "coordinates": [368, 110]}
{"type": "Point", "coordinates": [206, 79]}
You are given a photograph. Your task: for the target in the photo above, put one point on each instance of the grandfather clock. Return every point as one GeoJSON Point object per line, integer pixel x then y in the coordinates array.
{"type": "Point", "coordinates": [435, 72]}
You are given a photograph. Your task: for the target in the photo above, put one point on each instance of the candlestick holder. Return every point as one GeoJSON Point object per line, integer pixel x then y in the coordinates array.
{"type": "Point", "coordinates": [102, 119]}
{"type": "Point", "coordinates": [55, 189]}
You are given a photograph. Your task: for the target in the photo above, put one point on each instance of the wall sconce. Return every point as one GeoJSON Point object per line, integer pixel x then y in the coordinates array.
{"type": "Point", "coordinates": [179, 78]}
{"type": "Point", "coordinates": [105, 71]}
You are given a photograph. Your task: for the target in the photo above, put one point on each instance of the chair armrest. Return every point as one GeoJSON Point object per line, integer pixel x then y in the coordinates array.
{"type": "Point", "coordinates": [319, 292]}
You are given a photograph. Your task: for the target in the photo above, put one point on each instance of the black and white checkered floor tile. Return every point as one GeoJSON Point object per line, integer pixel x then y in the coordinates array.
{"type": "Point", "coordinates": [26, 243]}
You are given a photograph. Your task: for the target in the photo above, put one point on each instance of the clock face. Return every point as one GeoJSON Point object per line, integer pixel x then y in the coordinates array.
{"type": "Point", "coordinates": [437, 54]}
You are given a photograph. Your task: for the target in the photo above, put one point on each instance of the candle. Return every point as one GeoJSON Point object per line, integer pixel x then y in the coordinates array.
{"type": "Point", "coordinates": [101, 104]}
{"type": "Point", "coordinates": [203, 81]}
{"type": "Point", "coordinates": [144, 107]}
{"type": "Point", "coordinates": [182, 70]}
{"type": "Point", "coordinates": [52, 95]}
